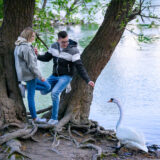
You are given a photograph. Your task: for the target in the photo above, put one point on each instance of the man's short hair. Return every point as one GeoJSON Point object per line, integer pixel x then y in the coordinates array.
{"type": "Point", "coordinates": [62, 34]}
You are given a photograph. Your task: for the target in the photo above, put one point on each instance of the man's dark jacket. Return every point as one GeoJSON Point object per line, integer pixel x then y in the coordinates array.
{"type": "Point", "coordinates": [66, 60]}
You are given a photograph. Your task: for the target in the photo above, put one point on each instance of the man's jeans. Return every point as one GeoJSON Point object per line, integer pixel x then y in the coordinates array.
{"type": "Point", "coordinates": [32, 85]}
{"type": "Point", "coordinates": [58, 84]}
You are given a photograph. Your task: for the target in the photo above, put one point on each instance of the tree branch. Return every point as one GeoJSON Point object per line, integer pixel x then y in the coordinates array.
{"type": "Point", "coordinates": [38, 37]}
{"type": "Point", "coordinates": [44, 4]}
{"type": "Point", "coordinates": [138, 12]}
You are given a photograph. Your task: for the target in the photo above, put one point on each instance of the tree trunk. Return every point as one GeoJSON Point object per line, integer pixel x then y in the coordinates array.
{"type": "Point", "coordinates": [18, 14]}
{"type": "Point", "coordinates": [76, 105]}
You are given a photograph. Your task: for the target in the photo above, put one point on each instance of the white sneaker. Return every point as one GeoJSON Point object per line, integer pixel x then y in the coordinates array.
{"type": "Point", "coordinates": [40, 120]}
{"type": "Point", "coordinates": [52, 121]}
{"type": "Point", "coordinates": [22, 89]}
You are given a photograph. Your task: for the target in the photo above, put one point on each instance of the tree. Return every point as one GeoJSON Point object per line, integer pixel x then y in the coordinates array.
{"type": "Point", "coordinates": [1, 9]}
{"type": "Point", "coordinates": [76, 105]}
{"type": "Point", "coordinates": [17, 15]}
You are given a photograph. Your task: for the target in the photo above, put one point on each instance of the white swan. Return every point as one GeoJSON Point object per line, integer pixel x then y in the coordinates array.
{"type": "Point", "coordinates": [129, 137]}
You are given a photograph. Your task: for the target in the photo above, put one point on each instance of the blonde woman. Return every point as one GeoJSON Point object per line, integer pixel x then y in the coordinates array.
{"type": "Point", "coordinates": [27, 70]}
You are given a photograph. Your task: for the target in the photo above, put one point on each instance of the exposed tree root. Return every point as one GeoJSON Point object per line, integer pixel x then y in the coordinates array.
{"type": "Point", "coordinates": [11, 124]}
{"type": "Point", "coordinates": [81, 145]}
{"type": "Point", "coordinates": [34, 130]}
{"type": "Point", "coordinates": [13, 149]}
{"type": "Point", "coordinates": [18, 133]}
{"type": "Point", "coordinates": [92, 146]}
{"type": "Point", "coordinates": [79, 131]}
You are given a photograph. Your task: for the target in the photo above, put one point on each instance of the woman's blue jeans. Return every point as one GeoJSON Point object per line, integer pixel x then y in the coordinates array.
{"type": "Point", "coordinates": [32, 85]}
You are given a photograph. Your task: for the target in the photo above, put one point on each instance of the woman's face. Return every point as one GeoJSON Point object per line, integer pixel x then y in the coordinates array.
{"type": "Point", "coordinates": [32, 38]}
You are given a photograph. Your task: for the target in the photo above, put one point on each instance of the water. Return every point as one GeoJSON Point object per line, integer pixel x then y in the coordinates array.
{"type": "Point", "coordinates": [132, 76]}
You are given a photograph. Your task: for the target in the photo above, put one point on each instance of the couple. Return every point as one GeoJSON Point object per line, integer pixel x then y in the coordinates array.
{"type": "Point", "coordinates": [65, 57]}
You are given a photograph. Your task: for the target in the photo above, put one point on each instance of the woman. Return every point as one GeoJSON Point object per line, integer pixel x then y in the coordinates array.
{"type": "Point", "coordinates": [27, 70]}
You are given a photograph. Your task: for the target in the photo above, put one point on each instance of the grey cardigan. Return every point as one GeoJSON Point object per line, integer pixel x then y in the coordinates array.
{"type": "Point", "coordinates": [25, 61]}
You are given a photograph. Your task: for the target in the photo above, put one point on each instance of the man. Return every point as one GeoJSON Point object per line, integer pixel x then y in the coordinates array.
{"type": "Point", "coordinates": [65, 57]}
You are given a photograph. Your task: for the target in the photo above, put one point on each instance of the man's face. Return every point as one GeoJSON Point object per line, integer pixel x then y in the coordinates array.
{"type": "Point", "coordinates": [63, 42]}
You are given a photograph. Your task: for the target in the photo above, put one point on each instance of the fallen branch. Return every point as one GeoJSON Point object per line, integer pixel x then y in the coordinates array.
{"type": "Point", "coordinates": [42, 110]}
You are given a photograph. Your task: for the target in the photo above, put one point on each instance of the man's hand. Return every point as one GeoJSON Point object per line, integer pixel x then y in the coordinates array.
{"type": "Point", "coordinates": [42, 79]}
{"type": "Point", "coordinates": [36, 51]}
{"type": "Point", "coordinates": [91, 83]}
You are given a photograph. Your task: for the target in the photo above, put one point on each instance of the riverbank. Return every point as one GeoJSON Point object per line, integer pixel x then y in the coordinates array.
{"type": "Point", "coordinates": [66, 149]}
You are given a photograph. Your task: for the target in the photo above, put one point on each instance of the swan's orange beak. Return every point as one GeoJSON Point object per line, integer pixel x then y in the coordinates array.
{"type": "Point", "coordinates": [110, 101]}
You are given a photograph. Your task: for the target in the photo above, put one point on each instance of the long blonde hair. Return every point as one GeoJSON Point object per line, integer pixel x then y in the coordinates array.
{"type": "Point", "coordinates": [27, 33]}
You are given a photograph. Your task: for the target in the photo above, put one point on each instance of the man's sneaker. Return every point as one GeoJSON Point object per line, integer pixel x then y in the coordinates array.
{"type": "Point", "coordinates": [22, 89]}
{"type": "Point", "coordinates": [52, 121]}
{"type": "Point", "coordinates": [40, 120]}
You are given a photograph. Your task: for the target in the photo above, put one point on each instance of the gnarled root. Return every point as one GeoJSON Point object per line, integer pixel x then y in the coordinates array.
{"type": "Point", "coordinates": [13, 149]}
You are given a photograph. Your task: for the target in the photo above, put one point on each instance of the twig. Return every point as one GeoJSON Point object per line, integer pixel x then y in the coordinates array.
{"type": "Point", "coordinates": [38, 37]}
{"type": "Point", "coordinates": [153, 17]}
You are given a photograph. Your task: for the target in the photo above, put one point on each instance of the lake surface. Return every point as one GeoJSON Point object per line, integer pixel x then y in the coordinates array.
{"type": "Point", "coordinates": [132, 76]}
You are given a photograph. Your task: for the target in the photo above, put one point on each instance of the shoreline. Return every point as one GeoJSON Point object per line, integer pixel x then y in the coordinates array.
{"type": "Point", "coordinates": [67, 150]}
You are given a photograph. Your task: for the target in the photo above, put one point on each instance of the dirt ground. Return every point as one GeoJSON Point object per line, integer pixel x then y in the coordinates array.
{"type": "Point", "coordinates": [67, 150]}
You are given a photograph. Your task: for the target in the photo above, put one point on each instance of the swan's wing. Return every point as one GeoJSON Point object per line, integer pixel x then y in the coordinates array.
{"type": "Point", "coordinates": [129, 134]}
{"type": "Point", "coordinates": [134, 145]}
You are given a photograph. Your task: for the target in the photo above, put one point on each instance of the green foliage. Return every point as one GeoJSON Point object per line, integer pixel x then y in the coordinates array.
{"type": "Point", "coordinates": [63, 12]}
{"type": "Point", "coordinates": [1, 9]}
{"type": "Point", "coordinates": [144, 39]}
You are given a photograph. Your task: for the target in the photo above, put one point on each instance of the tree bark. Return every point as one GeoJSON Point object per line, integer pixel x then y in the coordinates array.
{"type": "Point", "coordinates": [18, 14]}
{"type": "Point", "coordinates": [95, 57]}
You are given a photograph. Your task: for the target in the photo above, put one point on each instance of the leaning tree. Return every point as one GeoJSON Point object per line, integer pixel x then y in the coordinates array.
{"type": "Point", "coordinates": [17, 15]}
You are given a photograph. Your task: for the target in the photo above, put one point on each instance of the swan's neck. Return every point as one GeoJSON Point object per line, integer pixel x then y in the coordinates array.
{"type": "Point", "coordinates": [121, 115]}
